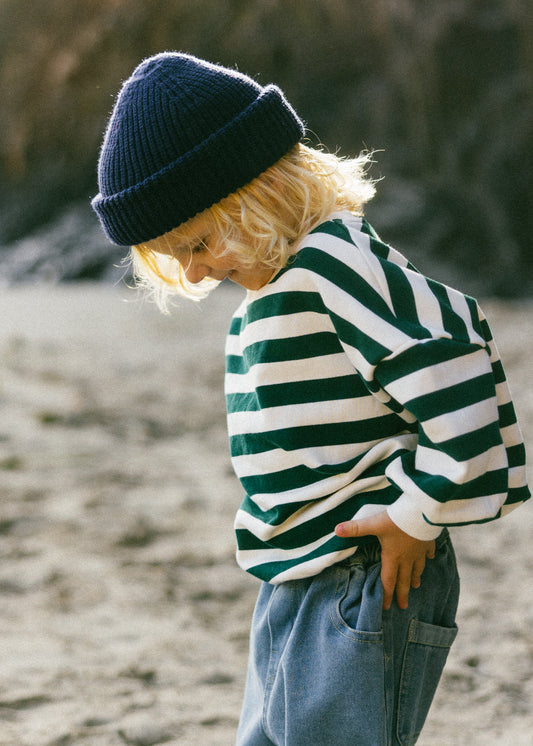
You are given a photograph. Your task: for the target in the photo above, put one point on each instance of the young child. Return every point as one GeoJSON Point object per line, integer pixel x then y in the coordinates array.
{"type": "Point", "coordinates": [367, 406]}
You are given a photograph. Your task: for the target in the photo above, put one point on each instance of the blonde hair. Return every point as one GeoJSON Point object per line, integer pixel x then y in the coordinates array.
{"type": "Point", "coordinates": [263, 222]}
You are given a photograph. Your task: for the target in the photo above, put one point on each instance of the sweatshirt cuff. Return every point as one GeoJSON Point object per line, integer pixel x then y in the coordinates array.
{"type": "Point", "coordinates": [404, 513]}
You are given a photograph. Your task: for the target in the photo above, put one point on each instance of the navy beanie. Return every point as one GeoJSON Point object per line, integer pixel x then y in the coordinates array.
{"type": "Point", "coordinates": [184, 133]}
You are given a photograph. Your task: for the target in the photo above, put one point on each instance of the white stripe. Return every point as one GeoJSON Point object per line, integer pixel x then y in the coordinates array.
{"type": "Point", "coordinates": [265, 374]}
{"type": "Point", "coordinates": [517, 477]}
{"type": "Point", "coordinates": [462, 421]}
{"type": "Point", "coordinates": [459, 304]}
{"type": "Point", "coordinates": [306, 414]}
{"type": "Point", "coordinates": [374, 450]}
{"type": "Point", "coordinates": [467, 510]}
{"type": "Point", "coordinates": [349, 480]}
{"type": "Point", "coordinates": [376, 274]}
{"type": "Point", "coordinates": [493, 352]}
{"type": "Point", "coordinates": [285, 327]}
{"type": "Point", "coordinates": [439, 376]}
{"type": "Point", "coordinates": [249, 557]}
{"type": "Point", "coordinates": [343, 304]}
{"type": "Point", "coordinates": [372, 324]}
{"type": "Point", "coordinates": [313, 509]}
{"type": "Point", "coordinates": [313, 566]}
{"type": "Point", "coordinates": [270, 462]}
{"type": "Point", "coordinates": [438, 463]}
{"type": "Point", "coordinates": [512, 435]}
{"type": "Point", "coordinates": [502, 393]}
{"type": "Point", "coordinates": [428, 308]}
{"type": "Point", "coordinates": [506, 509]}
{"type": "Point", "coordinates": [233, 345]}
{"type": "Point", "coordinates": [325, 488]}
{"type": "Point", "coordinates": [453, 511]}
{"type": "Point", "coordinates": [367, 264]}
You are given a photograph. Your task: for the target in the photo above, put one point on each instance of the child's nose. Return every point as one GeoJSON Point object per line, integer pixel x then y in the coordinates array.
{"type": "Point", "coordinates": [196, 272]}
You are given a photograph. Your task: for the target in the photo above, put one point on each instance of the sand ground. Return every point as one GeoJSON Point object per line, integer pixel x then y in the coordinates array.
{"type": "Point", "coordinates": [124, 619]}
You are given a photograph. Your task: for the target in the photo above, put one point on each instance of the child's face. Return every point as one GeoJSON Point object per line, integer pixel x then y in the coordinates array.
{"type": "Point", "coordinates": [207, 259]}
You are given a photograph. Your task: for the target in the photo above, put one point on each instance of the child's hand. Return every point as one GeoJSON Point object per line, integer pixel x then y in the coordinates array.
{"type": "Point", "coordinates": [403, 558]}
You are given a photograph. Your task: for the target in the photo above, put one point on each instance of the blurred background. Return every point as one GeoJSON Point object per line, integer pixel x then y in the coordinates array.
{"type": "Point", "coordinates": [443, 91]}
{"type": "Point", "coordinates": [118, 624]}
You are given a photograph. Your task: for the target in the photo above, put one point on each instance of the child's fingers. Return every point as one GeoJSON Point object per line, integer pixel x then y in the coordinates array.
{"type": "Point", "coordinates": [389, 579]}
{"type": "Point", "coordinates": [348, 529]}
{"type": "Point", "coordinates": [418, 569]}
{"type": "Point", "coordinates": [398, 579]}
{"type": "Point", "coordinates": [370, 526]}
{"type": "Point", "coordinates": [403, 558]}
{"type": "Point", "coordinates": [403, 586]}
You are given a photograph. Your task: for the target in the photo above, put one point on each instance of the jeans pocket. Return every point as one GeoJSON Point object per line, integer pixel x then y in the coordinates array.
{"type": "Point", "coordinates": [426, 651]}
{"type": "Point", "coordinates": [357, 611]}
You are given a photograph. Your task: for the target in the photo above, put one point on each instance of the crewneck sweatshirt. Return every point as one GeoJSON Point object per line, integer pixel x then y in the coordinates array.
{"type": "Point", "coordinates": [355, 384]}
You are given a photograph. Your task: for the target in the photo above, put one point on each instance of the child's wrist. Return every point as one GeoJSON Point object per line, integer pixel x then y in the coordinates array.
{"type": "Point", "coordinates": [410, 519]}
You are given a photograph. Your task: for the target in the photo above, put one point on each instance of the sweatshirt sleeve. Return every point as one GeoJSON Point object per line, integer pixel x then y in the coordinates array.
{"type": "Point", "coordinates": [458, 472]}
{"type": "Point", "coordinates": [425, 351]}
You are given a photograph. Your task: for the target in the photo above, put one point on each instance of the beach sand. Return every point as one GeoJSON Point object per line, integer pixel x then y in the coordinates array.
{"type": "Point", "coordinates": [124, 618]}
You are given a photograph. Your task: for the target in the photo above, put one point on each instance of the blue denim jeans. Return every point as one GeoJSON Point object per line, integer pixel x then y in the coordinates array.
{"type": "Point", "coordinates": [329, 667]}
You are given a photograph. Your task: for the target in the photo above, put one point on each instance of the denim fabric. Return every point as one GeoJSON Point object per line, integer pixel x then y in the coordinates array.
{"type": "Point", "coordinates": [329, 667]}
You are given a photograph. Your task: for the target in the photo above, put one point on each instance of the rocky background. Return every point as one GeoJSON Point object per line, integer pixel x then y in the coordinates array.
{"type": "Point", "coordinates": [443, 90]}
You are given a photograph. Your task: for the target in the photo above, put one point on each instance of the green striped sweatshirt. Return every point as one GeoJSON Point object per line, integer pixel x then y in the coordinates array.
{"type": "Point", "coordinates": [355, 384]}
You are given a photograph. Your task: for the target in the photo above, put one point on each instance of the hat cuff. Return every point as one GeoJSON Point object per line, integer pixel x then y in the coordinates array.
{"type": "Point", "coordinates": [224, 162]}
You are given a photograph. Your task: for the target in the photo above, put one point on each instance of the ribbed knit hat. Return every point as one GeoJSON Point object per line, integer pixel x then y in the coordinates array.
{"type": "Point", "coordinates": [184, 133]}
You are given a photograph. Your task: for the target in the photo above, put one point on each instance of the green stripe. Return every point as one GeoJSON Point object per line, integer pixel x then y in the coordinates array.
{"type": "Point", "coordinates": [370, 348]}
{"type": "Point", "coordinates": [452, 398]}
{"type": "Point", "coordinates": [298, 392]}
{"type": "Point", "coordinates": [312, 530]}
{"type": "Point", "coordinates": [291, 348]}
{"type": "Point", "coordinates": [269, 570]}
{"type": "Point", "coordinates": [516, 455]}
{"type": "Point", "coordinates": [518, 495]}
{"type": "Point", "coordinates": [369, 230]}
{"type": "Point", "coordinates": [403, 298]}
{"type": "Point", "coordinates": [507, 414]}
{"type": "Point", "coordinates": [343, 277]}
{"type": "Point", "coordinates": [273, 517]}
{"type": "Point", "coordinates": [451, 320]}
{"type": "Point", "coordinates": [425, 355]}
{"type": "Point", "coordinates": [443, 490]}
{"type": "Point", "coordinates": [469, 522]}
{"type": "Point", "coordinates": [235, 326]}
{"type": "Point", "coordinates": [482, 325]}
{"type": "Point", "coordinates": [235, 364]}
{"type": "Point", "coordinates": [466, 446]}
{"type": "Point", "coordinates": [498, 372]}
{"type": "Point", "coordinates": [334, 227]}
{"type": "Point", "coordinates": [303, 347]}
{"type": "Point", "coordinates": [301, 475]}
{"type": "Point", "coordinates": [317, 436]}
{"type": "Point", "coordinates": [284, 304]}
{"type": "Point", "coordinates": [282, 481]}
{"type": "Point", "coordinates": [242, 403]}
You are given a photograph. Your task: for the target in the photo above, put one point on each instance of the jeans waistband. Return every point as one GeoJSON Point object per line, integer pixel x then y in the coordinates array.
{"type": "Point", "coordinates": [370, 551]}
